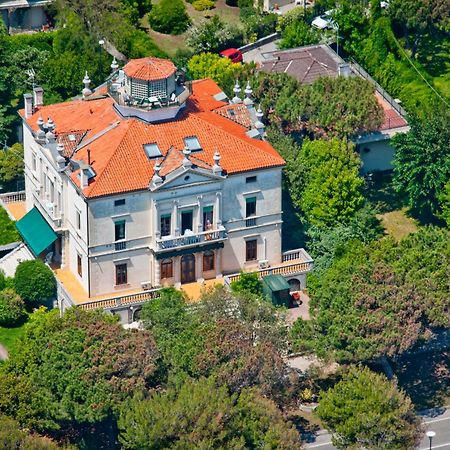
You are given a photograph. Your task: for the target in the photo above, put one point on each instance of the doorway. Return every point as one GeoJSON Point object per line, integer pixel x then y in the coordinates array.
{"type": "Point", "coordinates": [188, 269]}
{"type": "Point", "coordinates": [186, 221]}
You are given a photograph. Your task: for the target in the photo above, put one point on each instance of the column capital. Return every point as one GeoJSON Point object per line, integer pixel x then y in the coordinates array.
{"type": "Point", "coordinates": [218, 194]}
{"type": "Point", "coordinates": [199, 198]}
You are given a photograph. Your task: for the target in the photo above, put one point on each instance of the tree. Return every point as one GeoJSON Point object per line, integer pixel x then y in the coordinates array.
{"type": "Point", "coordinates": [34, 281]}
{"type": "Point", "coordinates": [444, 199]}
{"type": "Point", "coordinates": [213, 36]}
{"type": "Point", "coordinates": [169, 16]}
{"type": "Point", "coordinates": [12, 436]}
{"type": "Point", "coordinates": [12, 308]}
{"type": "Point", "coordinates": [333, 186]}
{"type": "Point", "coordinates": [298, 34]}
{"type": "Point", "coordinates": [247, 282]}
{"type": "Point", "coordinates": [339, 106]}
{"type": "Point", "coordinates": [75, 369]}
{"type": "Point", "coordinates": [9, 231]}
{"type": "Point", "coordinates": [11, 164]}
{"type": "Point", "coordinates": [209, 65]}
{"type": "Point", "coordinates": [370, 302]}
{"type": "Point", "coordinates": [201, 415]}
{"type": "Point", "coordinates": [365, 410]}
{"type": "Point", "coordinates": [422, 162]}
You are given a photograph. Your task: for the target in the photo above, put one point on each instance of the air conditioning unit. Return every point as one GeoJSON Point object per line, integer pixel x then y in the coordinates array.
{"type": "Point", "coordinates": [263, 263]}
{"type": "Point", "coordinates": [146, 285]}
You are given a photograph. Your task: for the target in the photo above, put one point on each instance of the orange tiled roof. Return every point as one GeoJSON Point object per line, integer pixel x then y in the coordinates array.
{"type": "Point", "coordinates": [149, 69]}
{"type": "Point", "coordinates": [116, 144]}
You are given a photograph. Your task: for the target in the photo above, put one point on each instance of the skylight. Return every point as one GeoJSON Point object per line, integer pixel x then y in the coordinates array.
{"type": "Point", "coordinates": [152, 150]}
{"type": "Point", "coordinates": [192, 143]}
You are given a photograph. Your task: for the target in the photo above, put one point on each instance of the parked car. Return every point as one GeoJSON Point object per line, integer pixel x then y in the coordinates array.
{"type": "Point", "coordinates": [324, 21]}
{"type": "Point", "coordinates": [232, 53]}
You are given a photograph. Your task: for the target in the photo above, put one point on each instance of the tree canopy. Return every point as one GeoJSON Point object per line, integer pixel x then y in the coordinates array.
{"type": "Point", "coordinates": [379, 299]}
{"type": "Point", "coordinates": [422, 162]}
{"type": "Point", "coordinates": [365, 410]}
{"type": "Point", "coordinates": [201, 415]}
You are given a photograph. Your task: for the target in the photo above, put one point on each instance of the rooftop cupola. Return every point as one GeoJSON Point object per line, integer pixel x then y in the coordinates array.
{"type": "Point", "coordinates": [86, 81]}
{"type": "Point", "coordinates": [114, 66]}
{"type": "Point", "coordinates": [237, 91]}
{"type": "Point", "coordinates": [186, 160]}
{"type": "Point", "coordinates": [217, 170]}
{"type": "Point", "coordinates": [248, 101]}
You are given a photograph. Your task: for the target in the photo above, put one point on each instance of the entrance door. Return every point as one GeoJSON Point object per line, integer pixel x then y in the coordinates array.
{"type": "Point", "coordinates": [188, 269]}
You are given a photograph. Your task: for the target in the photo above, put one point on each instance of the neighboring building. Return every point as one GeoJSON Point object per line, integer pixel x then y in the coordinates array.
{"type": "Point", "coordinates": [24, 14]}
{"type": "Point", "coordinates": [307, 64]}
{"type": "Point", "coordinates": [148, 182]}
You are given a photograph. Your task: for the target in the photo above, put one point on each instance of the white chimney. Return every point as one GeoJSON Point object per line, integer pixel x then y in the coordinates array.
{"type": "Point", "coordinates": [84, 178]}
{"type": "Point", "coordinates": [28, 100]}
{"type": "Point", "coordinates": [344, 70]}
{"type": "Point", "coordinates": [38, 96]}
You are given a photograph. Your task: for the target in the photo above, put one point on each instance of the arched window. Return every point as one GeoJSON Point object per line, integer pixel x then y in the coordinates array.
{"type": "Point", "coordinates": [166, 268]}
{"type": "Point", "coordinates": [208, 261]}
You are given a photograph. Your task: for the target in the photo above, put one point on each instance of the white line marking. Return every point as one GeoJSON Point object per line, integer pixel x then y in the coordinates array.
{"type": "Point", "coordinates": [318, 445]}
{"type": "Point", "coordinates": [438, 446]}
{"type": "Point", "coordinates": [437, 420]}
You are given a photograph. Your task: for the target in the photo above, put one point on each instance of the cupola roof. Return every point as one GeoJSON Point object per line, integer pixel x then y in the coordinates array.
{"type": "Point", "coordinates": [149, 69]}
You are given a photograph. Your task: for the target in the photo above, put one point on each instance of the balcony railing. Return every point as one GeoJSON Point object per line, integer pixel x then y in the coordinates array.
{"type": "Point", "coordinates": [120, 245]}
{"type": "Point", "coordinates": [299, 254]}
{"type": "Point", "coordinates": [170, 242]}
{"type": "Point", "coordinates": [250, 222]}
{"type": "Point", "coordinates": [12, 197]}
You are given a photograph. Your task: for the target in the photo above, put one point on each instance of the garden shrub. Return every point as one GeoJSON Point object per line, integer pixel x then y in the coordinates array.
{"type": "Point", "coordinates": [34, 281]}
{"type": "Point", "coordinates": [12, 308]}
{"type": "Point", "coordinates": [169, 17]}
{"type": "Point", "coordinates": [248, 282]}
{"type": "Point", "coordinates": [202, 5]}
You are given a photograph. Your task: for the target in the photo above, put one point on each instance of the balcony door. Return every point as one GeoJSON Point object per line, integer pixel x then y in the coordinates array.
{"type": "Point", "coordinates": [186, 221]}
{"type": "Point", "coordinates": [188, 269]}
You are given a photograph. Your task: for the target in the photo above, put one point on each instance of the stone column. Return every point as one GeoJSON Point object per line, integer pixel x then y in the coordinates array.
{"type": "Point", "coordinates": [199, 267]}
{"type": "Point", "coordinates": [199, 214]}
{"type": "Point", "coordinates": [217, 211]}
{"type": "Point", "coordinates": [218, 263]}
{"type": "Point", "coordinates": [177, 271]}
{"type": "Point", "coordinates": [175, 231]}
{"type": "Point", "coordinates": [157, 272]}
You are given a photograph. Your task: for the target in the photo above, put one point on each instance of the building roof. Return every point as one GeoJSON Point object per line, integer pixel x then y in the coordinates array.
{"type": "Point", "coordinates": [116, 145]}
{"type": "Point", "coordinates": [149, 69]}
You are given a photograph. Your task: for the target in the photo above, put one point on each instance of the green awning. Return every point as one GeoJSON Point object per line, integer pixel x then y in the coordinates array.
{"type": "Point", "coordinates": [276, 283]}
{"type": "Point", "coordinates": [36, 232]}
{"type": "Point", "coordinates": [187, 251]}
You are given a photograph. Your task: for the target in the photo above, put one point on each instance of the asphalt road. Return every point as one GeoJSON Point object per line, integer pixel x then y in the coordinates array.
{"type": "Point", "coordinates": [436, 420]}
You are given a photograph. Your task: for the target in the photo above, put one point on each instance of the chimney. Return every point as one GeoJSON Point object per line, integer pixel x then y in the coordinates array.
{"type": "Point", "coordinates": [344, 70]}
{"type": "Point", "coordinates": [84, 178]}
{"type": "Point", "coordinates": [38, 96]}
{"type": "Point", "coordinates": [28, 100]}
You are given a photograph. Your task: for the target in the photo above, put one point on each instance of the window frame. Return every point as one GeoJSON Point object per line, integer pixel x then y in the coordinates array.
{"type": "Point", "coordinates": [166, 267]}
{"type": "Point", "coordinates": [162, 229]}
{"type": "Point", "coordinates": [121, 274]}
{"type": "Point", "coordinates": [250, 201]}
{"type": "Point", "coordinates": [251, 179]}
{"type": "Point", "coordinates": [117, 230]}
{"type": "Point", "coordinates": [208, 260]}
{"type": "Point", "coordinates": [119, 202]}
{"type": "Point", "coordinates": [79, 265]}
{"type": "Point", "coordinates": [251, 253]}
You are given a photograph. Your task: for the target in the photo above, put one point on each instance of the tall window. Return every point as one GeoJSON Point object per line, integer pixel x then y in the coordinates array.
{"type": "Point", "coordinates": [33, 161]}
{"type": "Point", "coordinates": [208, 218]}
{"type": "Point", "coordinates": [165, 224]}
{"type": "Point", "coordinates": [52, 191]}
{"type": "Point", "coordinates": [119, 230]}
{"type": "Point", "coordinates": [186, 221]}
{"type": "Point", "coordinates": [121, 274]}
{"type": "Point", "coordinates": [208, 261]}
{"type": "Point", "coordinates": [78, 219]}
{"type": "Point", "coordinates": [250, 207]}
{"type": "Point", "coordinates": [166, 268]}
{"type": "Point", "coordinates": [251, 253]}
{"type": "Point", "coordinates": [80, 265]}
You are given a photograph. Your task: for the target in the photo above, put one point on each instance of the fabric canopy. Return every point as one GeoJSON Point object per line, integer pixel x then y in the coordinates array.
{"type": "Point", "coordinates": [36, 232]}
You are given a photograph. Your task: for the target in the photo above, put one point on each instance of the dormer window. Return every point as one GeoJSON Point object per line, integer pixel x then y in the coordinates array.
{"type": "Point", "coordinates": [152, 150]}
{"type": "Point", "coordinates": [192, 143]}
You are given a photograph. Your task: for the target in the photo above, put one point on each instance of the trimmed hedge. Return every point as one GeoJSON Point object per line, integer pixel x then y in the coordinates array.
{"type": "Point", "coordinates": [34, 281]}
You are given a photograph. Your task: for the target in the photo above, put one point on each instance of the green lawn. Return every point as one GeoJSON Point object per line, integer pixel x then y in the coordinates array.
{"type": "Point", "coordinates": [9, 337]}
{"type": "Point", "coordinates": [8, 231]}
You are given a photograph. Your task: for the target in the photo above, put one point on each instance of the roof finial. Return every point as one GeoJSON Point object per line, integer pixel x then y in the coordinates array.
{"type": "Point", "coordinates": [114, 66]}
{"type": "Point", "coordinates": [259, 116]}
{"type": "Point", "coordinates": [86, 81]}
{"type": "Point", "coordinates": [248, 101]}
{"type": "Point", "coordinates": [157, 180]}
{"type": "Point", "coordinates": [217, 170]}
{"type": "Point", "coordinates": [40, 122]}
{"type": "Point", "coordinates": [186, 161]}
{"type": "Point", "coordinates": [237, 91]}
{"type": "Point", "coordinates": [50, 135]}
{"type": "Point", "coordinates": [60, 148]}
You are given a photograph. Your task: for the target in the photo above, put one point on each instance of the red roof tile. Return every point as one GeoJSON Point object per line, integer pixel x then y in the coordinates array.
{"type": "Point", "coordinates": [149, 69]}
{"type": "Point", "coordinates": [116, 144]}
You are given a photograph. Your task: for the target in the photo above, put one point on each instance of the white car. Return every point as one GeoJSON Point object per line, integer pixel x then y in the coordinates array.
{"type": "Point", "coordinates": [324, 21]}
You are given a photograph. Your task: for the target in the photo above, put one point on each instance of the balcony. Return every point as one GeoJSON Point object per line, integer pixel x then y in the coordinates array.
{"type": "Point", "coordinates": [250, 222]}
{"type": "Point", "coordinates": [190, 240]}
{"type": "Point", "coordinates": [121, 245]}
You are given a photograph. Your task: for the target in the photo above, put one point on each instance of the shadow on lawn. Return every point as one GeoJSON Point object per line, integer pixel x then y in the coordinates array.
{"type": "Point", "coordinates": [425, 378]}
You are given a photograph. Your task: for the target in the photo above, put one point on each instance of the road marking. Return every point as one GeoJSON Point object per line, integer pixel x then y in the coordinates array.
{"type": "Point", "coordinates": [437, 446]}
{"type": "Point", "coordinates": [437, 420]}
